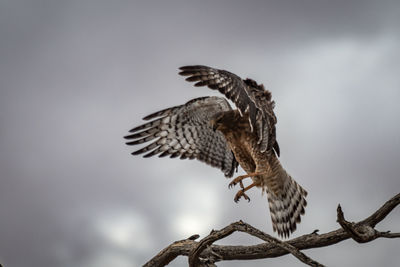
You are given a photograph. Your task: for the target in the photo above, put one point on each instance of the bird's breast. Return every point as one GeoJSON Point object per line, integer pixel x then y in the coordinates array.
{"type": "Point", "coordinates": [240, 147]}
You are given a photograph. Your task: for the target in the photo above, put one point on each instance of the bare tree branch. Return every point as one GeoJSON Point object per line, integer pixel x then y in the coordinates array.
{"type": "Point", "coordinates": [204, 253]}
{"type": "Point", "coordinates": [388, 234]}
{"type": "Point", "coordinates": [360, 233]}
{"type": "Point", "coordinates": [381, 213]}
{"type": "Point", "coordinates": [244, 227]}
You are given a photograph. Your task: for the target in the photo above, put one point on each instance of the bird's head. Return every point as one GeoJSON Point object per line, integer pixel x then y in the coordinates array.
{"type": "Point", "coordinates": [218, 122]}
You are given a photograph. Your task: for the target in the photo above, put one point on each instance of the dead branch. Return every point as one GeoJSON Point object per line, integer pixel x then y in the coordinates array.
{"type": "Point", "coordinates": [194, 259]}
{"type": "Point", "coordinates": [204, 253]}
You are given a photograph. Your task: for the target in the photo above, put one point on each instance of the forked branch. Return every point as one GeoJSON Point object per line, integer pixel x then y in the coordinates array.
{"type": "Point", "coordinates": [204, 253]}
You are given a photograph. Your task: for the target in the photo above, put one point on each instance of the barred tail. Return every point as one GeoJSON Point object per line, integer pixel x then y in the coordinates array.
{"type": "Point", "coordinates": [287, 206]}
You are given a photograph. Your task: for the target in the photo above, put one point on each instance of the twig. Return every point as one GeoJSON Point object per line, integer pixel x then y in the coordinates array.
{"type": "Point", "coordinates": [388, 234]}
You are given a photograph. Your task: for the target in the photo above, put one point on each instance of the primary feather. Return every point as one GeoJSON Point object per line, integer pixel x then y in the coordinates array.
{"type": "Point", "coordinates": [184, 131]}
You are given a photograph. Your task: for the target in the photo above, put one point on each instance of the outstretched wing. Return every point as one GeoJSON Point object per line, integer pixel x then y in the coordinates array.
{"type": "Point", "coordinates": [184, 131]}
{"type": "Point", "coordinates": [250, 98]}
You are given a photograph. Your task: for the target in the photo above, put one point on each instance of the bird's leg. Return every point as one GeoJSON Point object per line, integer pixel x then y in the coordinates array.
{"type": "Point", "coordinates": [241, 177]}
{"type": "Point", "coordinates": [241, 193]}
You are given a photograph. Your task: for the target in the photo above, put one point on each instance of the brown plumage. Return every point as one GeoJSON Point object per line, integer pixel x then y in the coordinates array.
{"type": "Point", "coordinates": [209, 130]}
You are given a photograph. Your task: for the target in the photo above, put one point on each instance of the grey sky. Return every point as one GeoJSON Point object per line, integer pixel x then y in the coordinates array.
{"type": "Point", "coordinates": [75, 76]}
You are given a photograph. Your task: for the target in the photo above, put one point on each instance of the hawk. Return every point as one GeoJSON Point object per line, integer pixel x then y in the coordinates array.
{"type": "Point", "coordinates": [208, 129]}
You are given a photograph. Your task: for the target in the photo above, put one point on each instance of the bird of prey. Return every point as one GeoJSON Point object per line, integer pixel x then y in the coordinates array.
{"type": "Point", "coordinates": [208, 129]}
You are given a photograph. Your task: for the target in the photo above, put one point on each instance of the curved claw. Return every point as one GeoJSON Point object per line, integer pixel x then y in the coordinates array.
{"type": "Point", "coordinates": [240, 194]}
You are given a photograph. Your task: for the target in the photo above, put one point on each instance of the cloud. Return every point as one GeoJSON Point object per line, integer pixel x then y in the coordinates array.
{"type": "Point", "coordinates": [108, 258]}
{"type": "Point", "coordinates": [76, 76]}
{"type": "Point", "coordinates": [196, 209]}
{"type": "Point", "coordinates": [125, 230]}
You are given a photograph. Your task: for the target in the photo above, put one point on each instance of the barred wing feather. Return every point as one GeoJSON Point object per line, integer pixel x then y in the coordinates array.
{"type": "Point", "coordinates": [250, 98]}
{"type": "Point", "coordinates": [184, 131]}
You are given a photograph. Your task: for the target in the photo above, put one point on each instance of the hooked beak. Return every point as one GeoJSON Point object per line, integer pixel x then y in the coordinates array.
{"type": "Point", "coordinates": [213, 125]}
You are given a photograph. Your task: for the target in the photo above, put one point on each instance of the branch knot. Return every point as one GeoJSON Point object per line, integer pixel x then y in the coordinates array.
{"type": "Point", "coordinates": [361, 233]}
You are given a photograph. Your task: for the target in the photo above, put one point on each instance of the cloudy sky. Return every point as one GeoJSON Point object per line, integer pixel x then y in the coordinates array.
{"type": "Point", "coordinates": [75, 76]}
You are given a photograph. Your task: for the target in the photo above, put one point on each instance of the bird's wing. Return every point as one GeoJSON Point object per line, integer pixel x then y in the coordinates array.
{"type": "Point", "coordinates": [184, 131]}
{"type": "Point", "coordinates": [249, 97]}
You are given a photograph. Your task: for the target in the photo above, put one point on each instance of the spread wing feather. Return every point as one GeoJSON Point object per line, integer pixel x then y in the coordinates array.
{"type": "Point", "coordinates": [251, 99]}
{"type": "Point", "coordinates": [184, 131]}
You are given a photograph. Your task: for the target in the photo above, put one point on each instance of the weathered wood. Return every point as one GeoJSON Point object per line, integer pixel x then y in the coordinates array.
{"type": "Point", "coordinates": [203, 253]}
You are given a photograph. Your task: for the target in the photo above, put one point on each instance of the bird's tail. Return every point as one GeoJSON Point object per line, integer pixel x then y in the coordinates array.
{"type": "Point", "coordinates": [287, 204]}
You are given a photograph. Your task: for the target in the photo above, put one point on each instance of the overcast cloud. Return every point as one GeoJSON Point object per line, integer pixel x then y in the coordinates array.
{"type": "Point", "coordinates": [75, 76]}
